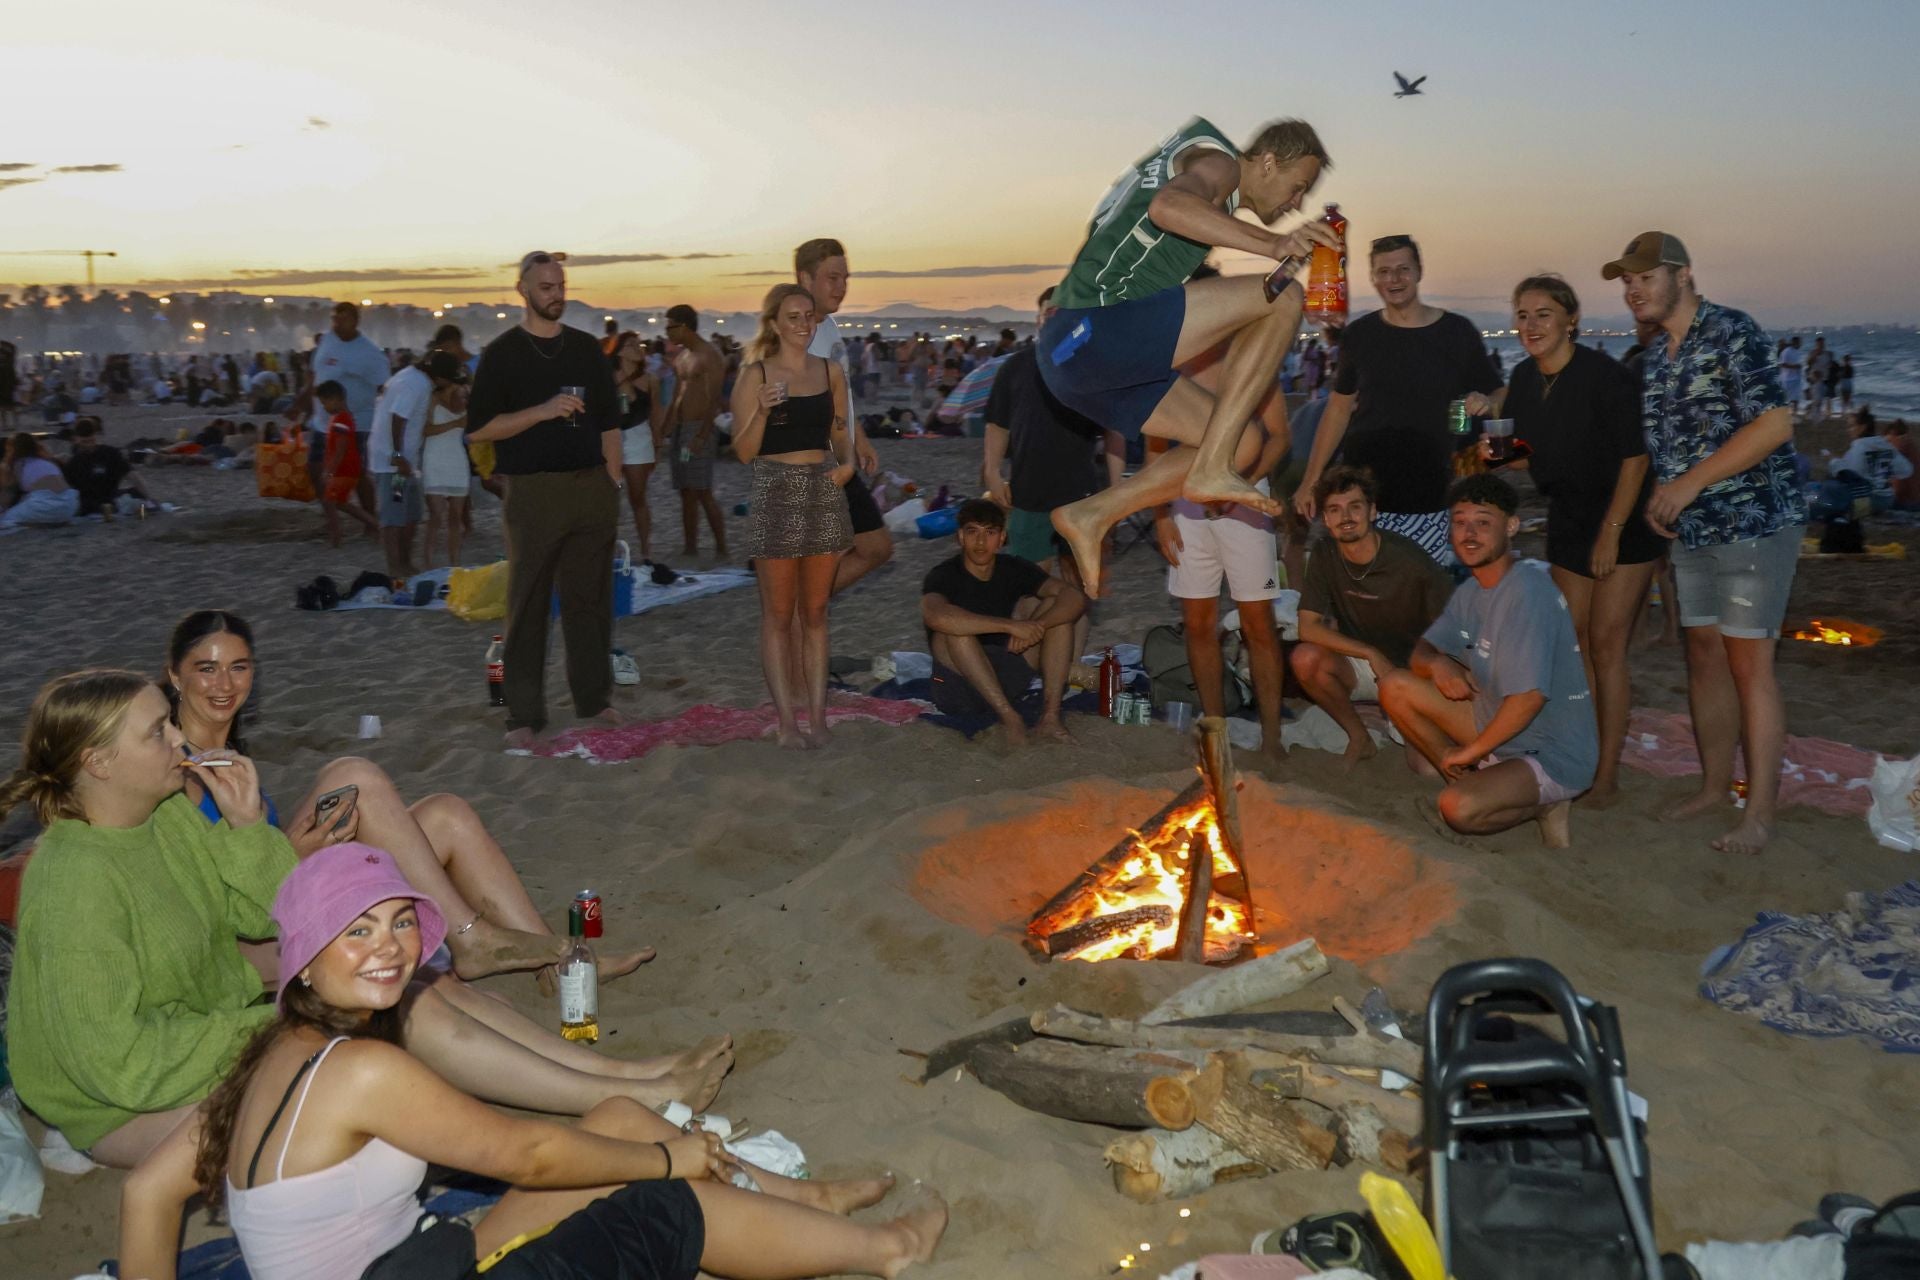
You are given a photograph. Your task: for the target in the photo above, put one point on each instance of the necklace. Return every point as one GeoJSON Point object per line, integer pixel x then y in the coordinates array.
{"type": "Point", "coordinates": [1371, 563]}
{"type": "Point", "coordinates": [1547, 380]}
{"type": "Point", "coordinates": [535, 344]}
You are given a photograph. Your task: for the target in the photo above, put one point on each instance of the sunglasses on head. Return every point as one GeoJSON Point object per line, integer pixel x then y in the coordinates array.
{"type": "Point", "coordinates": [540, 258]}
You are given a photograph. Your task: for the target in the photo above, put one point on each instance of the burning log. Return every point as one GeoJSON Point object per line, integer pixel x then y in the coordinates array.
{"type": "Point", "coordinates": [1077, 1081]}
{"type": "Point", "coordinates": [1160, 1165]}
{"type": "Point", "coordinates": [1254, 982]}
{"type": "Point", "coordinates": [1072, 940]}
{"type": "Point", "coordinates": [1258, 1122]}
{"type": "Point", "coordinates": [1122, 850]}
{"type": "Point", "coordinates": [1063, 1023]}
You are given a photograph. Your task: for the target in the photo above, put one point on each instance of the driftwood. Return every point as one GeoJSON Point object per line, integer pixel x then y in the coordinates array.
{"type": "Point", "coordinates": [1076, 938]}
{"type": "Point", "coordinates": [1257, 1121]}
{"type": "Point", "coordinates": [955, 1052]}
{"type": "Point", "coordinates": [1333, 1090]}
{"type": "Point", "coordinates": [1161, 1165]}
{"type": "Point", "coordinates": [1076, 1081]}
{"type": "Point", "coordinates": [1253, 982]}
{"type": "Point", "coordinates": [1063, 1023]}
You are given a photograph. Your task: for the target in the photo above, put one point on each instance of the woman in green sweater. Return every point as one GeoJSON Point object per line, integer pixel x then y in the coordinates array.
{"type": "Point", "coordinates": [130, 995]}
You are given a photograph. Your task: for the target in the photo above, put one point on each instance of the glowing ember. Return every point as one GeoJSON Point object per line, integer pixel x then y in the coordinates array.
{"type": "Point", "coordinates": [1153, 873]}
{"type": "Point", "coordinates": [1853, 634]}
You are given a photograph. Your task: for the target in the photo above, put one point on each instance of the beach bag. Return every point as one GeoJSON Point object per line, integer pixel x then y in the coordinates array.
{"type": "Point", "coordinates": [1895, 815]}
{"type": "Point", "coordinates": [280, 468]}
{"type": "Point", "coordinates": [626, 584]}
{"type": "Point", "coordinates": [478, 595]}
{"type": "Point", "coordinates": [1163, 652]}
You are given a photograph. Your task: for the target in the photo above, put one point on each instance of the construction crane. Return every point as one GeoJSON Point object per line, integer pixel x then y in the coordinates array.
{"type": "Point", "coordinates": [88, 254]}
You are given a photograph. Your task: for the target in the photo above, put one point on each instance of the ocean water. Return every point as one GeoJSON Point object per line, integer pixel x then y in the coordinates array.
{"type": "Point", "coordinates": [1886, 362]}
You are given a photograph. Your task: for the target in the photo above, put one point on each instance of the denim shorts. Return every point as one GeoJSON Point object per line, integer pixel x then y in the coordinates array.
{"type": "Point", "coordinates": [1740, 587]}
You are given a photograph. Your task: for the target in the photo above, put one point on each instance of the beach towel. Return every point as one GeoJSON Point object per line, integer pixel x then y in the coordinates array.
{"type": "Point", "coordinates": [1817, 772]}
{"type": "Point", "coordinates": [1851, 972]}
{"type": "Point", "coordinates": [706, 725]}
{"type": "Point", "coordinates": [220, 1259]}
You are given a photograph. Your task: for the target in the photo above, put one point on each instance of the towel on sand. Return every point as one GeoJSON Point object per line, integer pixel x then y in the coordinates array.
{"type": "Point", "coordinates": [1822, 774]}
{"type": "Point", "coordinates": [707, 726]}
{"type": "Point", "coordinates": [1851, 972]}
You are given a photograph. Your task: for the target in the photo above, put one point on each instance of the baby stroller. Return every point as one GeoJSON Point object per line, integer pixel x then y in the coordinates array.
{"type": "Point", "coordinates": [1538, 1170]}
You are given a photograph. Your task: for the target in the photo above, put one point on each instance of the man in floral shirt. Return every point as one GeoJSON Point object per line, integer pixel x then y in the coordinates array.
{"type": "Point", "coordinates": [1719, 430]}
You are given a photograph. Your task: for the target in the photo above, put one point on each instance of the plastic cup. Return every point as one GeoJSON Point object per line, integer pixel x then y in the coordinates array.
{"type": "Point", "coordinates": [1499, 438]}
{"type": "Point", "coordinates": [1180, 715]}
{"type": "Point", "coordinates": [578, 393]}
{"type": "Point", "coordinates": [779, 392]}
{"type": "Point", "coordinates": [369, 726]}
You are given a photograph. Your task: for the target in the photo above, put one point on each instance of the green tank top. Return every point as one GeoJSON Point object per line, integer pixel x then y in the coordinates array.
{"type": "Point", "coordinates": [1125, 255]}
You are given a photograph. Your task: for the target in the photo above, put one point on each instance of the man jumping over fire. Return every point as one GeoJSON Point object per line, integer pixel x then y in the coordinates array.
{"type": "Point", "coordinates": [1129, 317]}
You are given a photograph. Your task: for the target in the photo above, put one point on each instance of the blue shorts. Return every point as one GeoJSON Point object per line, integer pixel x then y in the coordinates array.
{"type": "Point", "coordinates": [1114, 363]}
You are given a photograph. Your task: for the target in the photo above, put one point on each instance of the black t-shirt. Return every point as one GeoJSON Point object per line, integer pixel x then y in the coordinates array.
{"type": "Point", "coordinates": [1388, 604]}
{"type": "Point", "coordinates": [518, 371]}
{"type": "Point", "coordinates": [1052, 451]}
{"type": "Point", "coordinates": [96, 475]}
{"type": "Point", "coordinates": [1580, 431]}
{"type": "Point", "coordinates": [1403, 380]}
{"type": "Point", "coordinates": [1013, 580]}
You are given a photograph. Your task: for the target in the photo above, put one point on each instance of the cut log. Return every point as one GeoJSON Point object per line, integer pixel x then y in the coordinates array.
{"type": "Point", "coordinates": [1223, 783]}
{"type": "Point", "coordinates": [1262, 1124]}
{"type": "Point", "coordinates": [1191, 944]}
{"type": "Point", "coordinates": [1366, 1136]}
{"type": "Point", "coordinates": [1175, 1101]}
{"type": "Point", "coordinates": [955, 1052]}
{"type": "Point", "coordinates": [1075, 938]}
{"type": "Point", "coordinates": [1076, 1081]}
{"type": "Point", "coordinates": [1063, 1023]}
{"type": "Point", "coordinates": [1254, 982]}
{"type": "Point", "coordinates": [1294, 1079]}
{"type": "Point", "coordinates": [1158, 1165]}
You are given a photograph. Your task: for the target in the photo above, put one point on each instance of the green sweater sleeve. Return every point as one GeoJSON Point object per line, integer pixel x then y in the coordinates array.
{"type": "Point", "coordinates": [251, 861]}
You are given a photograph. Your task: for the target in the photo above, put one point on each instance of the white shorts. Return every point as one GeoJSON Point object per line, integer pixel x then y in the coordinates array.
{"type": "Point", "coordinates": [1366, 688]}
{"type": "Point", "coordinates": [636, 445]}
{"type": "Point", "coordinates": [1551, 792]}
{"type": "Point", "coordinates": [1211, 550]}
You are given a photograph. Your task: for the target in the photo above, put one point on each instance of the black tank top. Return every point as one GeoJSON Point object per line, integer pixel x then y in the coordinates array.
{"type": "Point", "coordinates": [639, 406]}
{"type": "Point", "coordinates": [803, 423]}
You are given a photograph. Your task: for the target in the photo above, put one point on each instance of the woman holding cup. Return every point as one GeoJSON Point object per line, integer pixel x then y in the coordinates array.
{"type": "Point", "coordinates": [1579, 412]}
{"type": "Point", "coordinates": [790, 425]}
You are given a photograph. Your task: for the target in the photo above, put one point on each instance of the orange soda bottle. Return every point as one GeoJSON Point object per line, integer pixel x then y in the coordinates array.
{"type": "Point", "coordinates": [1327, 275]}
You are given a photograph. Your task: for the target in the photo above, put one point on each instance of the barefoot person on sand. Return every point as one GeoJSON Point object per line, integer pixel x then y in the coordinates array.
{"type": "Point", "coordinates": [118, 1027]}
{"type": "Point", "coordinates": [561, 450]}
{"type": "Point", "coordinates": [1579, 413]}
{"type": "Point", "coordinates": [1368, 594]}
{"type": "Point", "coordinates": [790, 426]}
{"type": "Point", "coordinates": [326, 1189]}
{"type": "Point", "coordinates": [1494, 699]}
{"type": "Point", "coordinates": [1720, 433]}
{"type": "Point", "coordinates": [699, 373]}
{"type": "Point", "coordinates": [1129, 317]}
{"type": "Point", "coordinates": [992, 620]}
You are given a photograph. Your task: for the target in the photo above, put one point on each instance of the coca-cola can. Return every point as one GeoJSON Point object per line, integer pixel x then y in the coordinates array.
{"type": "Point", "coordinates": [589, 903]}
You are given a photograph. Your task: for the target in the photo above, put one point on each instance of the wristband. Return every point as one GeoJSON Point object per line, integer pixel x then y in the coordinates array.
{"type": "Point", "coordinates": [669, 1155]}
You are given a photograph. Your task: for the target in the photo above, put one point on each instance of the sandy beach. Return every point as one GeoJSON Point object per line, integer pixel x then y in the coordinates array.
{"type": "Point", "coordinates": [833, 909]}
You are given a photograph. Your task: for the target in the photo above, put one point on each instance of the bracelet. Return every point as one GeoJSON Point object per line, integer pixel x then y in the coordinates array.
{"type": "Point", "coordinates": [668, 1154]}
{"type": "Point", "coordinates": [468, 926]}
{"type": "Point", "coordinates": [1616, 524]}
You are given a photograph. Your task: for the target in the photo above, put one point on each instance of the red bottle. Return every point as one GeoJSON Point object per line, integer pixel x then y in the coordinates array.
{"type": "Point", "coordinates": [1109, 682]}
{"type": "Point", "coordinates": [1327, 275]}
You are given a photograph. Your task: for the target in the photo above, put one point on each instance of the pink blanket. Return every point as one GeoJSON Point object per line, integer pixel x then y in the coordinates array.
{"type": "Point", "coordinates": [709, 726]}
{"type": "Point", "coordinates": [1825, 775]}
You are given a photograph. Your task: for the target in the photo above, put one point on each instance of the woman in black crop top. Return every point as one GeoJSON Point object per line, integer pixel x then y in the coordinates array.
{"type": "Point", "coordinates": [790, 424]}
{"type": "Point", "coordinates": [643, 409]}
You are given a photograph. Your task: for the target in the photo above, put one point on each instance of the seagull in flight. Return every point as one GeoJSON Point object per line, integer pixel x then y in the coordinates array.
{"type": "Point", "coordinates": [1408, 88]}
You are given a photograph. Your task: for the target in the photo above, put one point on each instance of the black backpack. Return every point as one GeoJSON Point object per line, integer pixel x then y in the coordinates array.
{"type": "Point", "coordinates": [1887, 1245]}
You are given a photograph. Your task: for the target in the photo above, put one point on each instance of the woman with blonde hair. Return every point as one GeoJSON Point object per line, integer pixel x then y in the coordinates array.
{"type": "Point", "coordinates": [790, 425]}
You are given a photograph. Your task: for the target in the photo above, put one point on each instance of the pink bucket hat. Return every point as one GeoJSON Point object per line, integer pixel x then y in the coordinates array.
{"type": "Point", "coordinates": [328, 891]}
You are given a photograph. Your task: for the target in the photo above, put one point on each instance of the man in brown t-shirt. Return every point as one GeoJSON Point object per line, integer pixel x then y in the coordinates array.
{"type": "Point", "coordinates": [1369, 595]}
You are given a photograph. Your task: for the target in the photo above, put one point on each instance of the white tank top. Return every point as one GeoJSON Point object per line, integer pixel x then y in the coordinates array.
{"type": "Point", "coordinates": [333, 1222]}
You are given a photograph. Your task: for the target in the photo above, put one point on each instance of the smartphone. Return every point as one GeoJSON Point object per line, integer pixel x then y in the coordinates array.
{"type": "Point", "coordinates": [1281, 275]}
{"type": "Point", "coordinates": [336, 806]}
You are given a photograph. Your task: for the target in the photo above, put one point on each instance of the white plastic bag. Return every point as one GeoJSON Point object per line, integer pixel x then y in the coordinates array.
{"type": "Point", "coordinates": [901, 518]}
{"type": "Point", "coordinates": [1895, 815]}
{"type": "Point", "coordinates": [21, 1182]}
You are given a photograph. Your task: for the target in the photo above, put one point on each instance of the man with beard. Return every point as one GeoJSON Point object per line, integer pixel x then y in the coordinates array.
{"type": "Point", "coordinates": [562, 451]}
{"type": "Point", "coordinates": [1495, 698]}
{"type": "Point", "coordinates": [1368, 594]}
{"type": "Point", "coordinates": [1720, 433]}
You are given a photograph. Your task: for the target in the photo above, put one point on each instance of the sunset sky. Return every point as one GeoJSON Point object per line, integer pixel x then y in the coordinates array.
{"type": "Point", "coordinates": [405, 150]}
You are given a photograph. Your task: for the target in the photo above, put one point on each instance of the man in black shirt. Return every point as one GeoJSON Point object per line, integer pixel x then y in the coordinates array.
{"type": "Point", "coordinates": [991, 620]}
{"type": "Point", "coordinates": [561, 452]}
{"type": "Point", "coordinates": [1400, 368]}
{"type": "Point", "coordinates": [99, 472]}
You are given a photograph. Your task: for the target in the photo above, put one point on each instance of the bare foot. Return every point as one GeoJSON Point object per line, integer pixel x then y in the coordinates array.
{"type": "Point", "coordinates": [547, 979]}
{"type": "Point", "coordinates": [1228, 487]}
{"type": "Point", "coordinates": [1272, 757]}
{"type": "Point", "coordinates": [1705, 800]}
{"type": "Point", "coordinates": [1084, 534]}
{"type": "Point", "coordinates": [607, 717]}
{"type": "Point", "coordinates": [1358, 749]}
{"type": "Point", "coordinates": [666, 1064]}
{"type": "Point", "coordinates": [1015, 727]}
{"type": "Point", "coordinates": [790, 737]}
{"type": "Point", "coordinates": [1049, 728]}
{"type": "Point", "coordinates": [1602, 796]}
{"type": "Point", "coordinates": [844, 1196]}
{"type": "Point", "coordinates": [521, 739]}
{"type": "Point", "coordinates": [1749, 837]}
{"type": "Point", "coordinates": [817, 734]}
{"type": "Point", "coordinates": [619, 964]}
{"type": "Point", "coordinates": [918, 1233]}
{"type": "Point", "coordinates": [488, 948]}
{"type": "Point", "coordinates": [695, 1086]}
{"type": "Point", "coordinates": [1556, 826]}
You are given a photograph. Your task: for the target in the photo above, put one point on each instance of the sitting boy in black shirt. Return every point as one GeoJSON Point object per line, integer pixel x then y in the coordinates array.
{"type": "Point", "coordinates": [992, 620]}
{"type": "Point", "coordinates": [99, 472]}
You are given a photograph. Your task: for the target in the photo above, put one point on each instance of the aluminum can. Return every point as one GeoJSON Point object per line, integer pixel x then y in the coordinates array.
{"type": "Point", "coordinates": [1122, 708]}
{"type": "Point", "coordinates": [1142, 710]}
{"type": "Point", "coordinates": [1458, 420]}
{"type": "Point", "coordinates": [588, 904]}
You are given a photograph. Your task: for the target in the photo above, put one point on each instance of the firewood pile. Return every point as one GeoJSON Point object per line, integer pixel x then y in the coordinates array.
{"type": "Point", "coordinates": [1208, 1091]}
